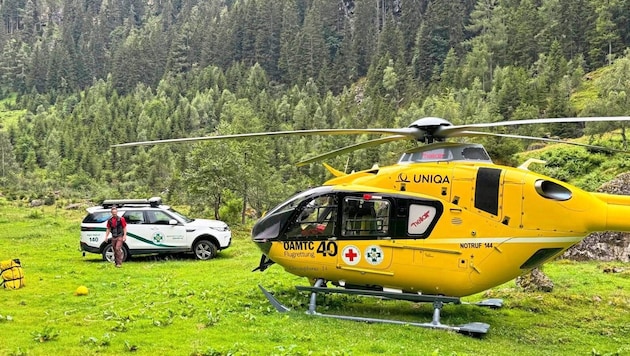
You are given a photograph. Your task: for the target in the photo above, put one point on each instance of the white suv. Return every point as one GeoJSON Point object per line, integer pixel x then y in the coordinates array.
{"type": "Point", "coordinates": [153, 228]}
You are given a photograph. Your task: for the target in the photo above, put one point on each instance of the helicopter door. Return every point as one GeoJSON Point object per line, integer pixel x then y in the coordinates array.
{"type": "Point", "coordinates": [512, 198]}
{"type": "Point", "coordinates": [479, 190]}
{"type": "Point", "coordinates": [365, 231]}
{"type": "Point", "coordinates": [499, 195]}
{"type": "Point", "coordinates": [461, 186]}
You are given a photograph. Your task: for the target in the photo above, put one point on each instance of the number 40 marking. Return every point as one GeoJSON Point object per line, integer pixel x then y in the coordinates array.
{"type": "Point", "coordinates": [327, 248]}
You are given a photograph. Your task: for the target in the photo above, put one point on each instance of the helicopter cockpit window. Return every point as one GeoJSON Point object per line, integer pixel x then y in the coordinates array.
{"type": "Point", "coordinates": [420, 218]}
{"type": "Point", "coordinates": [365, 217]}
{"type": "Point", "coordinates": [317, 218]}
{"type": "Point", "coordinates": [446, 152]}
{"type": "Point", "coordinates": [438, 154]}
{"type": "Point", "coordinates": [475, 153]}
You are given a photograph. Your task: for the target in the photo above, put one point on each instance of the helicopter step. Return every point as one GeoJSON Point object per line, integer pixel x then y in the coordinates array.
{"type": "Point", "coordinates": [475, 329]}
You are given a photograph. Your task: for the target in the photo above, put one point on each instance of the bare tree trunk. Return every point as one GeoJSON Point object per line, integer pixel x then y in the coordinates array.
{"type": "Point", "coordinates": [243, 211]}
{"type": "Point", "coordinates": [217, 205]}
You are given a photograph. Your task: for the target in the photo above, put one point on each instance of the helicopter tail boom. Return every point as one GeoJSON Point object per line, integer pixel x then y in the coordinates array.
{"type": "Point", "coordinates": [618, 210]}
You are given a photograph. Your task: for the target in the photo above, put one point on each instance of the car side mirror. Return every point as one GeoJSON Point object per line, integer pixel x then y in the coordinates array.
{"type": "Point", "coordinates": [173, 222]}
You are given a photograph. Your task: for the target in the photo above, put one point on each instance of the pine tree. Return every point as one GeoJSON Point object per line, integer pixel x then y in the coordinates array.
{"type": "Point", "coordinates": [365, 34]}
{"type": "Point", "coordinates": [449, 78]}
{"type": "Point", "coordinates": [13, 66]}
{"type": "Point", "coordinates": [9, 168]}
{"type": "Point", "coordinates": [412, 13]}
{"type": "Point", "coordinates": [488, 46]}
{"type": "Point", "coordinates": [344, 67]}
{"type": "Point", "coordinates": [442, 30]}
{"type": "Point", "coordinates": [180, 60]}
{"type": "Point", "coordinates": [267, 38]}
{"type": "Point", "coordinates": [523, 26]}
{"type": "Point", "coordinates": [605, 37]}
{"type": "Point", "coordinates": [569, 22]}
{"type": "Point", "coordinates": [312, 48]}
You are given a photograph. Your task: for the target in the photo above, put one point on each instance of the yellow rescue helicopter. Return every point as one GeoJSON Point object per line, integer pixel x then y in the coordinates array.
{"type": "Point", "coordinates": [443, 223]}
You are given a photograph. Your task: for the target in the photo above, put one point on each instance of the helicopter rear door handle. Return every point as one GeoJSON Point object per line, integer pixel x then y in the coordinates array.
{"type": "Point", "coordinates": [453, 210]}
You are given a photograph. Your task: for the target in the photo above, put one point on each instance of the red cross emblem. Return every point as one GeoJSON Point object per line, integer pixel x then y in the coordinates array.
{"type": "Point", "coordinates": [351, 255]}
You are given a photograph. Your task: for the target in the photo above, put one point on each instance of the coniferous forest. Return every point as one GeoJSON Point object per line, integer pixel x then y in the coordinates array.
{"type": "Point", "coordinates": [80, 75]}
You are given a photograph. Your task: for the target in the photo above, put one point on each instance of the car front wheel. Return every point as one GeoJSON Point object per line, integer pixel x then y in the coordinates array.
{"type": "Point", "coordinates": [108, 253]}
{"type": "Point", "coordinates": [204, 250]}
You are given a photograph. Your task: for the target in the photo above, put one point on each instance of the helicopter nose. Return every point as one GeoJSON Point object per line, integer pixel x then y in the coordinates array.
{"type": "Point", "coordinates": [263, 243]}
{"type": "Point", "coordinates": [265, 231]}
{"type": "Point", "coordinates": [264, 247]}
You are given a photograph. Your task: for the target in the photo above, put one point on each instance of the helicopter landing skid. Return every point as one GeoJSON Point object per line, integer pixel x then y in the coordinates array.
{"type": "Point", "coordinates": [472, 329]}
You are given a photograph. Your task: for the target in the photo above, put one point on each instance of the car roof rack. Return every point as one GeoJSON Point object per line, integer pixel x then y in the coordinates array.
{"type": "Point", "coordinates": [153, 202]}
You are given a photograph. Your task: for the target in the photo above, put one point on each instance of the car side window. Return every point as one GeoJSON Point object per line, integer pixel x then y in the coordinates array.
{"type": "Point", "coordinates": [97, 217]}
{"type": "Point", "coordinates": [158, 217]}
{"type": "Point", "coordinates": [134, 217]}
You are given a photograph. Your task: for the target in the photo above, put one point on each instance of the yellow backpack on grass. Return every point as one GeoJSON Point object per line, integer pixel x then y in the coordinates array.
{"type": "Point", "coordinates": [12, 274]}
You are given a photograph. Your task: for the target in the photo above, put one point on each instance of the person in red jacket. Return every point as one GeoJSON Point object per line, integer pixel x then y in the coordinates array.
{"type": "Point", "coordinates": [117, 226]}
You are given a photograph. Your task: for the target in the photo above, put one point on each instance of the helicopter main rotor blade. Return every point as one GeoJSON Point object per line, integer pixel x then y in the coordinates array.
{"type": "Point", "coordinates": [533, 138]}
{"type": "Point", "coordinates": [450, 131]}
{"type": "Point", "coordinates": [407, 132]}
{"type": "Point", "coordinates": [351, 148]}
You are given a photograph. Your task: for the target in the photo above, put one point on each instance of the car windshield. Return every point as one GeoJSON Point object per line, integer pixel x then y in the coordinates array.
{"type": "Point", "coordinates": [180, 215]}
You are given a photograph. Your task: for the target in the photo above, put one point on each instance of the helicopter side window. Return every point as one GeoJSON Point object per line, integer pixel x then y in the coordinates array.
{"type": "Point", "coordinates": [317, 218]}
{"type": "Point", "coordinates": [439, 154]}
{"type": "Point", "coordinates": [363, 217]}
{"type": "Point", "coordinates": [475, 153]}
{"type": "Point", "coordinates": [420, 218]}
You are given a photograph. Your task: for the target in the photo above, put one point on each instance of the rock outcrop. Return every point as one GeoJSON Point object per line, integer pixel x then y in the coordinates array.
{"type": "Point", "coordinates": [535, 281]}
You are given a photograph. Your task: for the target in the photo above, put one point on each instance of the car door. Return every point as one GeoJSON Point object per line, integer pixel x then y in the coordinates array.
{"type": "Point", "coordinates": [138, 232]}
{"type": "Point", "coordinates": [164, 229]}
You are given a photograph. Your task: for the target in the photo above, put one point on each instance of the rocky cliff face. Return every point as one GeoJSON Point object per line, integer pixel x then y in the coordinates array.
{"type": "Point", "coordinates": [605, 246]}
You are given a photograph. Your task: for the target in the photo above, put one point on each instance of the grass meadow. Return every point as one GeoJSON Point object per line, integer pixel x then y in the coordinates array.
{"type": "Point", "coordinates": [180, 306]}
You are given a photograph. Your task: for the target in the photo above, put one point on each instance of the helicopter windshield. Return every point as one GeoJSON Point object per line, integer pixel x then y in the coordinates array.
{"type": "Point", "coordinates": [446, 152]}
{"type": "Point", "coordinates": [298, 198]}
{"type": "Point", "coordinates": [269, 226]}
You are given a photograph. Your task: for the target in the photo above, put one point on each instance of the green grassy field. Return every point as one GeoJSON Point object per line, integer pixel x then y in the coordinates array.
{"type": "Point", "coordinates": [8, 116]}
{"type": "Point", "coordinates": [179, 306]}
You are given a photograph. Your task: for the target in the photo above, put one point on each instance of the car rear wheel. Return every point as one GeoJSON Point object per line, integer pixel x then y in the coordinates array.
{"type": "Point", "coordinates": [108, 253]}
{"type": "Point", "coordinates": [204, 250]}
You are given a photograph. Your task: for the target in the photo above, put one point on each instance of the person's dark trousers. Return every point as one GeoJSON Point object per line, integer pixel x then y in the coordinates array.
{"type": "Point", "coordinates": [117, 244]}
